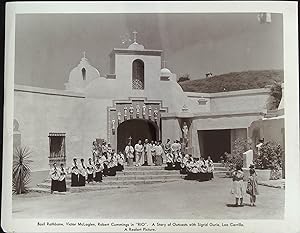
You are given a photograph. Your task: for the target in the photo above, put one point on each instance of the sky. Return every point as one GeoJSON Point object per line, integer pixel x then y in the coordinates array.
{"type": "Point", "coordinates": [49, 46]}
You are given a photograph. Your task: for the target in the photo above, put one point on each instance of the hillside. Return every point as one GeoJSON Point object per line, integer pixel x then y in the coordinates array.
{"type": "Point", "coordinates": [233, 81]}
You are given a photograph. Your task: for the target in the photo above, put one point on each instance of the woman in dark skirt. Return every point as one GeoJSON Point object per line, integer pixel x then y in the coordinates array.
{"type": "Point", "coordinates": [120, 159]}
{"type": "Point", "coordinates": [112, 165]}
{"type": "Point", "coordinates": [169, 161]}
{"type": "Point", "coordinates": [62, 179]}
{"type": "Point", "coordinates": [178, 161]}
{"type": "Point", "coordinates": [90, 171]}
{"type": "Point", "coordinates": [210, 168]}
{"type": "Point", "coordinates": [98, 171]}
{"type": "Point", "coordinates": [82, 173]}
{"type": "Point", "coordinates": [74, 174]}
{"type": "Point", "coordinates": [202, 170]}
{"type": "Point", "coordinates": [54, 174]}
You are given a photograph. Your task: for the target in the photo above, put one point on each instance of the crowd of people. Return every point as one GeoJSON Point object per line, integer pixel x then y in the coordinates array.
{"type": "Point", "coordinates": [106, 162]}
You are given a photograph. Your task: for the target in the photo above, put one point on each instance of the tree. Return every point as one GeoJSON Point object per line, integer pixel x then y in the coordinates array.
{"type": "Point", "coordinates": [236, 156]}
{"type": "Point", "coordinates": [185, 77]}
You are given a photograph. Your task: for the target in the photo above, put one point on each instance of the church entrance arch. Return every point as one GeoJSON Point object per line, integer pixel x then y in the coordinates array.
{"type": "Point", "coordinates": [136, 129]}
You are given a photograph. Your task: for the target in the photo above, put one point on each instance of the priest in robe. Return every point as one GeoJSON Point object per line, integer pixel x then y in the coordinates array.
{"type": "Point", "coordinates": [82, 173]}
{"type": "Point", "coordinates": [62, 179]}
{"type": "Point", "coordinates": [139, 148]}
{"type": "Point", "coordinates": [90, 170]}
{"type": "Point", "coordinates": [152, 149]}
{"type": "Point", "coordinates": [54, 174]}
{"type": "Point", "coordinates": [158, 154]}
{"type": "Point", "coordinates": [129, 153]}
{"type": "Point", "coordinates": [147, 152]}
{"type": "Point", "coordinates": [74, 173]}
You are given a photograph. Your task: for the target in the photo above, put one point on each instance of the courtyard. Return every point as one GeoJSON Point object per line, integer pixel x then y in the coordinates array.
{"type": "Point", "coordinates": [179, 199]}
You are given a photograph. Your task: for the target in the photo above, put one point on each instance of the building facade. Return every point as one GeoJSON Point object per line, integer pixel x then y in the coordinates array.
{"type": "Point", "coordinates": [139, 99]}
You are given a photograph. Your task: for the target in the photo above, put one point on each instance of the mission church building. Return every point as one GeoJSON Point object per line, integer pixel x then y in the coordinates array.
{"type": "Point", "coordinates": [139, 99]}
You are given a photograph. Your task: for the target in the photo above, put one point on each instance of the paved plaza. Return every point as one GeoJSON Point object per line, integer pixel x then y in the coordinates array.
{"type": "Point", "coordinates": [178, 199]}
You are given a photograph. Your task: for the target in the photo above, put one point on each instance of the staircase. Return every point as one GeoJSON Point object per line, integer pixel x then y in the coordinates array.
{"type": "Point", "coordinates": [130, 176]}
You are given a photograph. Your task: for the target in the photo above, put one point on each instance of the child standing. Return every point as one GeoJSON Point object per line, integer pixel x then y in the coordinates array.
{"type": "Point", "coordinates": [238, 185]}
{"type": "Point", "coordinates": [252, 186]}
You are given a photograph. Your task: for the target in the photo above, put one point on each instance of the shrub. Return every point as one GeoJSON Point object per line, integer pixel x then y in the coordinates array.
{"type": "Point", "coordinates": [275, 96]}
{"type": "Point", "coordinates": [21, 170]}
{"type": "Point", "coordinates": [236, 156]}
{"type": "Point", "coordinates": [270, 157]}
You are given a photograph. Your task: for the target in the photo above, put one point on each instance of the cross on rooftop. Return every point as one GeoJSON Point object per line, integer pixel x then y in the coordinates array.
{"type": "Point", "coordinates": [164, 63]}
{"type": "Point", "coordinates": [83, 54]}
{"type": "Point", "coordinates": [134, 36]}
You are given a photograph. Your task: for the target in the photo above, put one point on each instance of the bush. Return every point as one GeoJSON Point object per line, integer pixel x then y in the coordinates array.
{"type": "Point", "coordinates": [275, 96]}
{"type": "Point", "coordinates": [270, 157]}
{"type": "Point", "coordinates": [236, 156]}
{"type": "Point", "coordinates": [21, 170]}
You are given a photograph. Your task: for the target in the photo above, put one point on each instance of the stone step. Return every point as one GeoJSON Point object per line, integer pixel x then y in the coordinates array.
{"type": "Point", "coordinates": [116, 182]}
{"type": "Point", "coordinates": [142, 177]}
{"type": "Point", "coordinates": [128, 178]}
{"type": "Point", "coordinates": [142, 168]}
{"type": "Point", "coordinates": [45, 187]}
{"type": "Point", "coordinates": [149, 172]}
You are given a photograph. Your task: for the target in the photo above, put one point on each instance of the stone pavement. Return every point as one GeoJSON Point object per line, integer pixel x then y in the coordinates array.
{"type": "Point", "coordinates": [179, 199]}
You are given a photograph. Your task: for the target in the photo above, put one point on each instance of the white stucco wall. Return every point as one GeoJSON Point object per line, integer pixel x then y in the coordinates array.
{"type": "Point", "coordinates": [233, 101]}
{"type": "Point", "coordinates": [41, 111]}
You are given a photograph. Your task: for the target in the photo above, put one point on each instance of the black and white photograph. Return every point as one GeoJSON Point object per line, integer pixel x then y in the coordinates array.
{"type": "Point", "coordinates": [153, 116]}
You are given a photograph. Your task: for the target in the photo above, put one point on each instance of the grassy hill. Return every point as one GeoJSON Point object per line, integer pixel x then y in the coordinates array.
{"type": "Point", "coordinates": [233, 81]}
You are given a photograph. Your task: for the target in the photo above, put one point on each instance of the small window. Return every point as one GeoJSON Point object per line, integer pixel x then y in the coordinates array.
{"type": "Point", "coordinates": [138, 74]}
{"type": "Point", "coordinates": [57, 148]}
{"type": "Point", "coordinates": [83, 71]}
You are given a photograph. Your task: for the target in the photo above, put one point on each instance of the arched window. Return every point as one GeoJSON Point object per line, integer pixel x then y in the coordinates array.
{"type": "Point", "coordinates": [83, 71]}
{"type": "Point", "coordinates": [138, 74]}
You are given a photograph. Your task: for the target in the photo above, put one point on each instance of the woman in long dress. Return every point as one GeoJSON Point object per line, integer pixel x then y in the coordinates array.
{"type": "Point", "coordinates": [252, 185]}
{"type": "Point", "coordinates": [54, 174]}
{"type": "Point", "coordinates": [62, 179]}
{"type": "Point", "coordinates": [90, 170]}
{"type": "Point", "coordinates": [74, 174]}
{"type": "Point", "coordinates": [238, 189]}
{"type": "Point", "coordinates": [82, 173]}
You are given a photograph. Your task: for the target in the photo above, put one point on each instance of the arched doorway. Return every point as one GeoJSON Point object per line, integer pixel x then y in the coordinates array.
{"type": "Point", "coordinates": [136, 129]}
